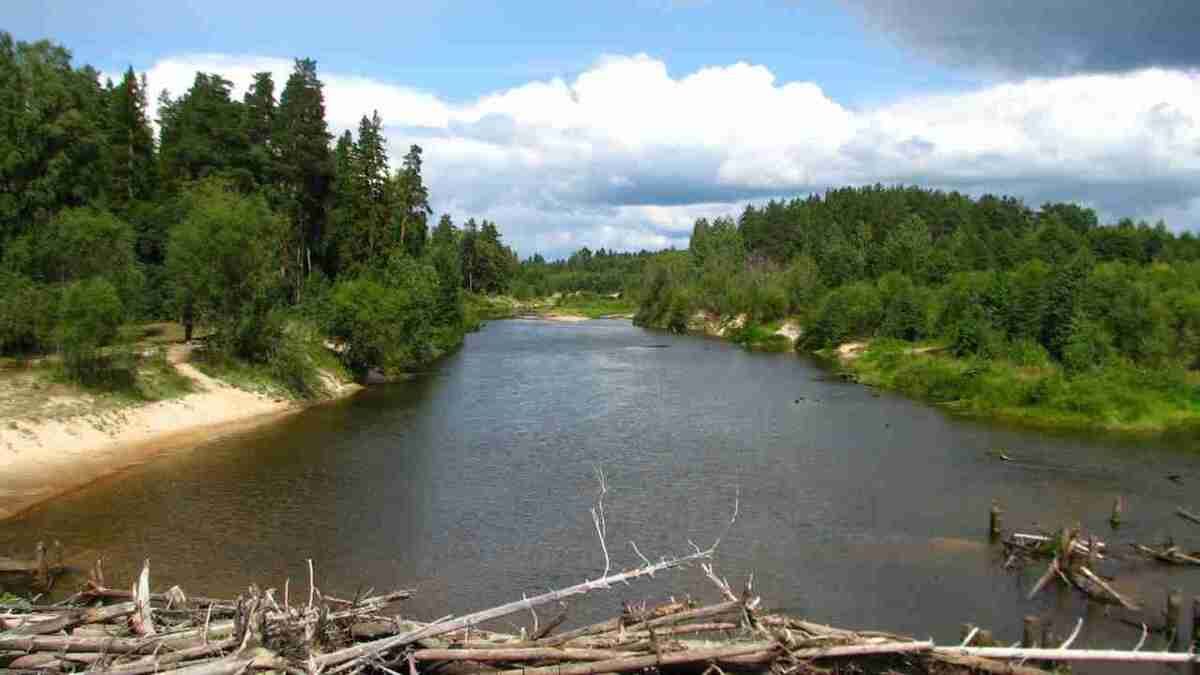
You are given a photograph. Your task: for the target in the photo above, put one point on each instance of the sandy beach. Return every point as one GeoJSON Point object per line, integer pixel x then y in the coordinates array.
{"type": "Point", "coordinates": [42, 458]}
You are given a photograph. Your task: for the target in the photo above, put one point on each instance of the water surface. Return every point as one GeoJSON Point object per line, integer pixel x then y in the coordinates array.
{"type": "Point", "coordinates": [473, 483]}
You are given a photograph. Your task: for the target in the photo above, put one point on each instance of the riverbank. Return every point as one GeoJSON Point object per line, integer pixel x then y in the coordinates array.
{"type": "Point", "coordinates": [1115, 398]}
{"type": "Point", "coordinates": [570, 307]}
{"type": "Point", "coordinates": [1036, 393]}
{"type": "Point", "coordinates": [74, 439]}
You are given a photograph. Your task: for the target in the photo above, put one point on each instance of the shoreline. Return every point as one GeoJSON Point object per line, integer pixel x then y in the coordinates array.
{"type": "Point", "coordinates": [47, 458]}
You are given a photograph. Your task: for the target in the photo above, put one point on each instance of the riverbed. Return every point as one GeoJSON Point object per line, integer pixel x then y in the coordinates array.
{"type": "Point", "coordinates": [473, 481]}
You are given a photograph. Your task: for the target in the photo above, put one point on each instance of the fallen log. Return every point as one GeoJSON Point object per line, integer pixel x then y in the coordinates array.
{"type": "Point", "coordinates": [765, 651]}
{"type": "Point", "coordinates": [475, 618]}
{"type": "Point", "coordinates": [520, 654]}
{"type": "Point", "coordinates": [1082, 655]}
{"type": "Point", "coordinates": [75, 618]}
{"type": "Point", "coordinates": [615, 624]}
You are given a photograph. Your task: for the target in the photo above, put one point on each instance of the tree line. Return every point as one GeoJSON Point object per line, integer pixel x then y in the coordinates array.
{"type": "Point", "coordinates": [243, 218]}
{"type": "Point", "coordinates": [990, 277]}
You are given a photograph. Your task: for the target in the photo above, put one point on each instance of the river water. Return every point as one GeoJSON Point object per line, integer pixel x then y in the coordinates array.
{"type": "Point", "coordinates": [473, 483]}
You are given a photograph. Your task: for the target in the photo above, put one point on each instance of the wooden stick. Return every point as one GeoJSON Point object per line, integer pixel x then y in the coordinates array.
{"type": "Point", "coordinates": [1094, 655]}
{"type": "Point", "coordinates": [1109, 589]}
{"type": "Point", "coordinates": [1051, 570]}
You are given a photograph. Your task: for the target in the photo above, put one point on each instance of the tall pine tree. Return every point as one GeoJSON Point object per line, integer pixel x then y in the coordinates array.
{"type": "Point", "coordinates": [302, 138]}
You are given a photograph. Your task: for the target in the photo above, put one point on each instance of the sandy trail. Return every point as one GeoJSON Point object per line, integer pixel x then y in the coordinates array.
{"type": "Point", "coordinates": [40, 459]}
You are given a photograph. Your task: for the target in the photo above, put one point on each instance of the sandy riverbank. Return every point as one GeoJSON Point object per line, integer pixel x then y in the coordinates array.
{"type": "Point", "coordinates": [42, 458]}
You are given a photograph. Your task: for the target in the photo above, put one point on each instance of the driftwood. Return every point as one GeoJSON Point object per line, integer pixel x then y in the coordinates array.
{"type": "Point", "coordinates": [1168, 554]}
{"type": "Point", "coordinates": [1187, 515]}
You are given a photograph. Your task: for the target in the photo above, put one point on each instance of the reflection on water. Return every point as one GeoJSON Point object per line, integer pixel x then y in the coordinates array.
{"type": "Point", "coordinates": [473, 482]}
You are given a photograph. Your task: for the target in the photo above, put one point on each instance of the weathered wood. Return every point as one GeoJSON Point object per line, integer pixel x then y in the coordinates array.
{"type": "Point", "coordinates": [142, 620]}
{"type": "Point", "coordinates": [1187, 515]}
{"type": "Point", "coordinates": [152, 664]}
{"type": "Point", "coordinates": [1091, 576]}
{"type": "Point", "coordinates": [1174, 604]}
{"type": "Point", "coordinates": [71, 643]}
{"type": "Point", "coordinates": [75, 618]}
{"type": "Point", "coordinates": [1067, 655]}
{"type": "Point", "coordinates": [977, 664]}
{"type": "Point", "coordinates": [766, 652]}
{"type": "Point", "coordinates": [475, 618]}
{"type": "Point", "coordinates": [520, 654]}
{"type": "Point", "coordinates": [260, 659]}
{"type": "Point", "coordinates": [1169, 554]}
{"type": "Point", "coordinates": [1032, 634]}
{"type": "Point", "coordinates": [611, 625]}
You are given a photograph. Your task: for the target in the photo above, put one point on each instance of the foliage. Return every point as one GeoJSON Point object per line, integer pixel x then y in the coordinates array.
{"type": "Point", "coordinates": [222, 263]}
{"type": "Point", "coordinates": [90, 315]}
{"type": "Point", "coordinates": [386, 319]}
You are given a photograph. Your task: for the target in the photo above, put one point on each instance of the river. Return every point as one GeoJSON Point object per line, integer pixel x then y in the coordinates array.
{"type": "Point", "coordinates": [473, 482]}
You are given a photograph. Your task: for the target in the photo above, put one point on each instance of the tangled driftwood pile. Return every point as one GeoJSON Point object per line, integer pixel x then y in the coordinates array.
{"type": "Point", "coordinates": [131, 632]}
{"type": "Point", "coordinates": [136, 631]}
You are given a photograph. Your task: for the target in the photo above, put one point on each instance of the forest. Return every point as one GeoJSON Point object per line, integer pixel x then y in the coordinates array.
{"type": "Point", "coordinates": [270, 240]}
{"type": "Point", "coordinates": [984, 304]}
{"type": "Point", "coordinates": [244, 220]}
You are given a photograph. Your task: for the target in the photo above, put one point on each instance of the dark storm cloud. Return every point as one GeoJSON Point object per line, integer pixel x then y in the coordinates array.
{"type": "Point", "coordinates": [1043, 37]}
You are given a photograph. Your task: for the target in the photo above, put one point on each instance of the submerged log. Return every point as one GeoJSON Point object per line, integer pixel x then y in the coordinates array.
{"type": "Point", "coordinates": [1168, 554]}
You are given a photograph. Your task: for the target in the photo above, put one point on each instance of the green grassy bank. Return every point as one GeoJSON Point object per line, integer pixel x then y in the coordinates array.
{"type": "Point", "coordinates": [1036, 392]}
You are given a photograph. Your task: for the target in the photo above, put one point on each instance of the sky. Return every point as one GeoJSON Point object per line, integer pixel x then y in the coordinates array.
{"type": "Point", "coordinates": [615, 124]}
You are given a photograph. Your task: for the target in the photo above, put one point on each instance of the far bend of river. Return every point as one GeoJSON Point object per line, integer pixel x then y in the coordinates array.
{"type": "Point", "coordinates": [472, 483]}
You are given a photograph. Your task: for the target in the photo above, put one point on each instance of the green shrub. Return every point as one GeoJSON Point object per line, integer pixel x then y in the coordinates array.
{"type": "Point", "coordinates": [27, 312]}
{"type": "Point", "coordinates": [89, 318]}
{"type": "Point", "coordinates": [1089, 346]}
{"type": "Point", "coordinates": [847, 312]}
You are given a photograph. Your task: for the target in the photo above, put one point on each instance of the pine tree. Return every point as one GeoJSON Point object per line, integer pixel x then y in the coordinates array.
{"type": "Point", "coordinates": [301, 137]}
{"type": "Point", "coordinates": [369, 236]}
{"type": "Point", "coordinates": [411, 203]}
{"type": "Point", "coordinates": [444, 255]}
{"type": "Point", "coordinates": [130, 143]}
{"type": "Point", "coordinates": [259, 110]}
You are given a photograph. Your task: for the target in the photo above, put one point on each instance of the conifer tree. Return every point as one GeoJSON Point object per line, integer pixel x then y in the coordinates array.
{"type": "Point", "coordinates": [301, 138]}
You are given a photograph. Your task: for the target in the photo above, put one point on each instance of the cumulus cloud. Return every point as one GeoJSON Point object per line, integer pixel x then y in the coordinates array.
{"type": "Point", "coordinates": [626, 155]}
{"type": "Point", "coordinates": [1055, 37]}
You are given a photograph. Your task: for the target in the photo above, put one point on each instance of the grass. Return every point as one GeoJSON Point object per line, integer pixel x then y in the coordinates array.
{"type": "Point", "coordinates": [762, 337]}
{"type": "Point", "coordinates": [1114, 397]}
{"type": "Point", "coordinates": [491, 307]}
{"type": "Point", "coordinates": [593, 306]}
{"type": "Point", "coordinates": [296, 371]}
{"type": "Point", "coordinates": [590, 305]}
{"type": "Point", "coordinates": [39, 390]}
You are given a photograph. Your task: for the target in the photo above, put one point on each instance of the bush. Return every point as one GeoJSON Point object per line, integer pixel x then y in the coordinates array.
{"type": "Point", "coordinates": [89, 317]}
{"type": "Point", "coordinates": [27, 313]}
{"type": "Point", "coordinates": [847, 312]}
{"type": "Point", "coordinates": [802, 283]}
{"type": "Point", "coordinates": [290, 365]}
{"type": "Point", "coordinates": [387, 320]}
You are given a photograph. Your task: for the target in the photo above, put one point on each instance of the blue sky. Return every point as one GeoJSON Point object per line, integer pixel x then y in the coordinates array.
{"type": "Point", "coordinates": [462, 50]}
{"type": "Point", "coordinates": [617, 123]}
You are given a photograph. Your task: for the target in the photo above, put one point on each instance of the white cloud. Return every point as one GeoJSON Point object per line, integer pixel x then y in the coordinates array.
{"type": "Point", "coordinates": [626, 155]}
